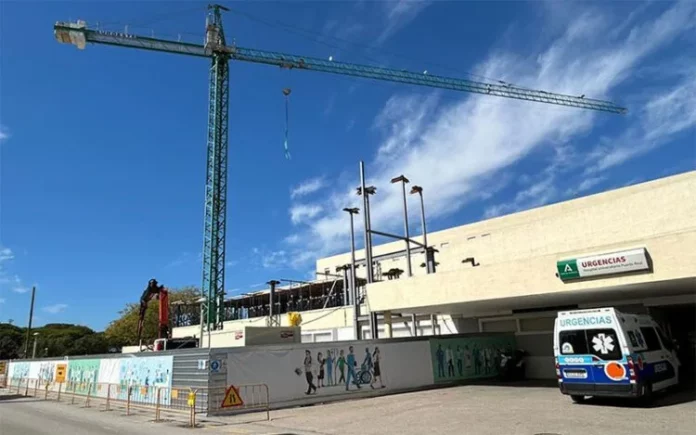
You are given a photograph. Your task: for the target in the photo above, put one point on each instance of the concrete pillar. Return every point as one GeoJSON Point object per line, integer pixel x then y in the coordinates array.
{"type": "Point", "coordinates": [387, 324]}
{"type": "Point", "coordinates": [414, 324]}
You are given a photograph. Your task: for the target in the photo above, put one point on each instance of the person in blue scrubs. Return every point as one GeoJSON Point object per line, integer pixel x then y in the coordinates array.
{"type": "Point", "coordinates": [329, 368]}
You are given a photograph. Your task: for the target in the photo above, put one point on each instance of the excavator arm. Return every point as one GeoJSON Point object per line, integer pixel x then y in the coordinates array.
{"type": "Point", "coordinates": [153, 290]}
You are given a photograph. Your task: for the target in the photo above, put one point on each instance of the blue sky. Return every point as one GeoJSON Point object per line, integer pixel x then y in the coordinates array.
{"type": "Point", "coordinates": [102, 151]}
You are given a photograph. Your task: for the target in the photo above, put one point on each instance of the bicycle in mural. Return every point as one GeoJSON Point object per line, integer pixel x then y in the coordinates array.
{"type": "Point", "coordinates": [336, 368]}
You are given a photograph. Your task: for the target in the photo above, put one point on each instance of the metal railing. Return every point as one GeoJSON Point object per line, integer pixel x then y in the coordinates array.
{"type": "Point", "coordinates": [240, 398]}
{"type": "Point", "coordinates": [160, 400]}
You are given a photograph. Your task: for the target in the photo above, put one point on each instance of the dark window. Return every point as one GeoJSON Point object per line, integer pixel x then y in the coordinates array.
{"type": "Point", "coordinates": [604, 344]}
{"type": "Point", "coordinates": [632, 338]}
{"type": "Point", "coordinates": [573, 342]}
{"type": "Point", "coordinates": [651, 340]}
{"type": "Point", "coordinates": [666, 341]}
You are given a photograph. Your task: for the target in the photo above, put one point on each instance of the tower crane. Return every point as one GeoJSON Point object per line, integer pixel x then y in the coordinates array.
{"type": "Point", "coordinates": [216, 49]}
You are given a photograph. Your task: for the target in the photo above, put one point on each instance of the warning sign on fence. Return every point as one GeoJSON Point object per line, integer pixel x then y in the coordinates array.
{"type": "Point", "coordinates": [232, 398]}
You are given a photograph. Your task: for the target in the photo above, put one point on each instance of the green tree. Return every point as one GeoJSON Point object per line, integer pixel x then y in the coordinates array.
{"type": "Point", "coordinates": [124, 330]}
{"type": "Point", "coordinates": [11, 339]}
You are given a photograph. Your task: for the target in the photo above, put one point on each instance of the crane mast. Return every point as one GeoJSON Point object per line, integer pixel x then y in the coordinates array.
{"type": "Point", "coordinates": [216, 49]}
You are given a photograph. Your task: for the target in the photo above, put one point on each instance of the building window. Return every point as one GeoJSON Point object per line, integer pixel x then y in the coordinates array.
{"type": "Point", "coordinates": [444, 245]}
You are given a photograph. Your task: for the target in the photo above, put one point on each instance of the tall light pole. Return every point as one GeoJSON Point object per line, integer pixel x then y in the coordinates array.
{"type": "Point", "coordinates": [353, 289]}
{"type": "Point", "coordinates": [36, 339]}
{"type": "Point", "coordinates": [403, 180]}
{"type": "Point", "coordinates": [419, 190]}
{"type": "Point", "coordinates": [202, 302]}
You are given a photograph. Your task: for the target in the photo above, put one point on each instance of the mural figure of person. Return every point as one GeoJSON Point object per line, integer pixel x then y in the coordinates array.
{"type": "Point", "coordinates": [477, 360]}
{"type": "Point", "coordinates": [460, 360]}
{"type": "Point", "coordinates": [351, 363]}
{"type": "Point", "coordinates": [341, 366]}
{"type": "Point", "coordinates": [440, 355]}
{"type": "Point", "coordinates": [450, 361]}
{"type": "Point", "coordinates": [321, 361]}
{"type": "Point", "coordinates": [467, 357]}
{"type": "Point", "coordinates": [308, 373]}
{"type": "Point", "coordinates": [329, 368]}
{"type": "Point", "coordinates": [376, 369]}
{"type": "Point", "coordinates": [367, 361]}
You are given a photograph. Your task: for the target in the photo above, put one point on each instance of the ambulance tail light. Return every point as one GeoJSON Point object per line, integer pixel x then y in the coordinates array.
{"type": "Point", "coordinates": [631, 369]}
{"type": "Point", "coordinates": [558, 370]}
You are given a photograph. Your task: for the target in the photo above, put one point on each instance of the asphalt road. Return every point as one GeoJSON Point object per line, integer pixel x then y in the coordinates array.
{"type": "Point", "coordinates": [477, 410]}
{"type": "Point", "coordinates": [30, 416]}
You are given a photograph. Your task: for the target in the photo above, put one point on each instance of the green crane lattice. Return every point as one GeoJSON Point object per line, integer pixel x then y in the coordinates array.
{"type": "Point", "coordinates": [216, 49]}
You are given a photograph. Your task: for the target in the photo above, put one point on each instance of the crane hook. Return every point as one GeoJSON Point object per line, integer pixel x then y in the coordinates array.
{"type": "Point", "coordinates": [286, 92]}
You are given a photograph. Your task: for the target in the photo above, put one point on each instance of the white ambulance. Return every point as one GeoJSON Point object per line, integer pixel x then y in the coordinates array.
{"type": "Point", "coordinates": [603, 352]}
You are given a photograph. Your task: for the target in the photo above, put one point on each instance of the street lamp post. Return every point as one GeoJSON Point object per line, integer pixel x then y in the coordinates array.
{"type": "Point", "coordinates": [353, 289]}
{"type": "Point", "coordinates": [200, 338]}
{"type": "Point", "coordinates": [36, 339]}
{"type": "Point", "coordinates": [419, 191]}
{"type": "Point", "coordinates": [403, 180]}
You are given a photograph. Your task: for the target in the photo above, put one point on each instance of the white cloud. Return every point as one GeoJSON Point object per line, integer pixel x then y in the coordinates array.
{"type": "Point", "coordinates": [55, 309]}
{"type": "Point", "coordinates": [585, 185]}
{"type": "Point", "coordinates": [4, 133]}
{"type": "Point", "coordinates": [6, 254]}
{"type": "Point", "coordinates": [307, 187]}
{"type": "Point", "coordinates": [398, 14]}
{"type": "Point", "coordinates": [302, 212]}
{"type": "Point", "coordinates": [663, 116]}
{"type": "Point", "coordinates": [458, 151]}
{"type": "Point", "coordinates": [274, 259]}
{"type": "Point", "coordinates": [21, 289]}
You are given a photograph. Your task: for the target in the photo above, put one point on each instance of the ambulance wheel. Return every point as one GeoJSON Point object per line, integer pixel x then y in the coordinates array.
{"type": "Point", "coordinates": [646, 393]}
{"type": "Point", "coordinates": [577, 399]}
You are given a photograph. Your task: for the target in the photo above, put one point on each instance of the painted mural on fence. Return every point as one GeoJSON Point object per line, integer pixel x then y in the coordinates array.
{"type": "Point", "coordinates": [82, 373]}
{"type": "Point", "coordinates": [47, 371]}
{"type": "Point", "coordinates": [19, 370]}
{"type": "Point", "coordinates": [461, 358]}
{"type": "Point", "coordinates": [147, 373]}
{"type": "Point", "coordinates": [315, 370]}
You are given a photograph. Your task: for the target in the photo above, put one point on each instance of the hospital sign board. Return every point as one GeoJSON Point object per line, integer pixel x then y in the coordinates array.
{"type": "Point", "coordinates": [603, 264]}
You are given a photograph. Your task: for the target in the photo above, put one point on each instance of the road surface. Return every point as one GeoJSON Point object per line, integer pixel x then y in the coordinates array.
{"type": "Point", "coordinates": [480, 410]}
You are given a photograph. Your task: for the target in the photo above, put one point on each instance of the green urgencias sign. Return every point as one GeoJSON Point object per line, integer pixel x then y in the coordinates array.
{"type": "Point", "coordinates": [603, 264]}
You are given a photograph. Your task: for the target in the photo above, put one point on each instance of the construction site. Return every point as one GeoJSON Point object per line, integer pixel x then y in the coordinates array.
{"type": "Point", "coordinates": [424, 310]}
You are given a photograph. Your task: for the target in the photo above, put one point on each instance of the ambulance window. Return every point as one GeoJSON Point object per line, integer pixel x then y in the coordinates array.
{"type": "Point", "coordinates": [666, 342]}
{"type": "Point", "coordinates": [651, 340]}
{"type": "Point", "coordinates": [573, 342]}
{"type": "Point", "coordinates": [604, 343]}
{"type": "Point", "coordinates": [633, 340]}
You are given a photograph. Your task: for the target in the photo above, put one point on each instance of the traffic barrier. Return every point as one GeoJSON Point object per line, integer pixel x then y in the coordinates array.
{"type": "Point", "coordinates": [235, 399]}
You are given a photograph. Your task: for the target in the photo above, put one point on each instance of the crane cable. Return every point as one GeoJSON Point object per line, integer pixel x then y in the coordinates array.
{"type": "Point", "coordinates": [286, 93]}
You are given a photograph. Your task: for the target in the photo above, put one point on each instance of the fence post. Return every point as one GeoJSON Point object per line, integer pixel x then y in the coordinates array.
{"type": "Point", "coordinates": [74, 386]}
{"type": "Point", "coordinates": [108, 397]}
{"type": "Point", "coordinates": [192, 405]}
{"type": "Point", "coordinates": [157, 404]}
{"type": "Point", "coordinates": [46, 392]}
{"type": "Point", "coordinates": [89, 391]}
{"type": "Point", "coordinates": [128, 399]}
{"type": "Point", "coordinates": [60, 387]}
{"type": "Point", "coordinates": [268, 404]}
{"type": "Point", "coordinates": [26, 390]}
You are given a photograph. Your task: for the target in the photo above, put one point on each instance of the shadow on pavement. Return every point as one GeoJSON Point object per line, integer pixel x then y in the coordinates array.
{"type": "Point", "coordinates": [685, 394]}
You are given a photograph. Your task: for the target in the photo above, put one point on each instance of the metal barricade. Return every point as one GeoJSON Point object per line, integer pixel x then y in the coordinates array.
{"type": "Point", "coordinates": [235, 399]}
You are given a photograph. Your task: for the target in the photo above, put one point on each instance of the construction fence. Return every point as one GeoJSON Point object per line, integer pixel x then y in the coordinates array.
{"type": "Point", "coordinates": [183, 401]}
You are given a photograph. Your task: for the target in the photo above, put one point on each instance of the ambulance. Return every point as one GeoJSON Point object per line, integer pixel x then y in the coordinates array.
{"type": "Point", "coordinates": [603, 352]}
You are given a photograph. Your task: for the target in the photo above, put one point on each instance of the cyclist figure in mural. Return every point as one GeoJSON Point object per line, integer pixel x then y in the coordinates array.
{"type": "Point", "coordinates": [351, 363]}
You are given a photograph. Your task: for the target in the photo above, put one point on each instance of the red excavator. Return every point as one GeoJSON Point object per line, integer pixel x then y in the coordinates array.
{"type": "Point", "coordinates": [163, 341]}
